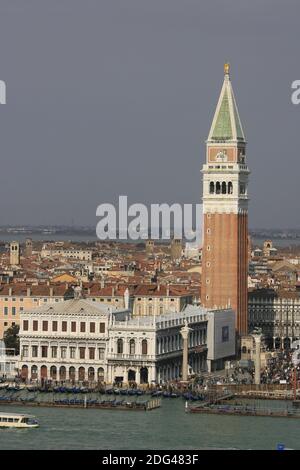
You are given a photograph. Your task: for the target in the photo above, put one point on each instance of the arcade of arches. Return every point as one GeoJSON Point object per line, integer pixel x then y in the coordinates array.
{"type": "Point", "coordinates": [62, 373]}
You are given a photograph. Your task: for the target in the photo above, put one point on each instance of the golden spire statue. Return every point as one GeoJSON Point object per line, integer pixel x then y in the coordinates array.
{"type": "Point", "coordinates": [226, 68]}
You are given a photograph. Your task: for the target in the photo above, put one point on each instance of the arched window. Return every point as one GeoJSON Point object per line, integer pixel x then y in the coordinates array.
{"type": "Point", "coordinates": [224, 188]}
{"type": "Point", "coordinates": [242, 188]}
{"type": "Point", "coordinates": [62, 373]}
{"type": "Point", "coordinates": [91, 374]}
{"type": "Point", "coordinates": [53, 372]}
{"type": "Point", "coordinates": [144, 375]}
{"type": "Point", "coordinates": [211, 187]}
{"type": "Point", "coordinates": [218, 187]}
{"type": "Point", "coordinates": [81, 374]}
{"type": "Point", "coordinates": [72, 373]}
{"type": "Point", "coordinates": [144, 347]}
{"type": "Point", "coordinates": [230, 188]}
{"type": "Point", "coordinates": [120, 346]}
{"type": "Point", "coordinates": [24, 372]}
{"type": "Point", "coordinates": [44, 372]}
{"type": "Point", "coordinates": [34, 371]}
{"type": "Point", "coordinates": [132, 346]}
{"type": "Point", "coordinates": [131, 375]}
{"type": "Point", "coordinates": [100, 374]}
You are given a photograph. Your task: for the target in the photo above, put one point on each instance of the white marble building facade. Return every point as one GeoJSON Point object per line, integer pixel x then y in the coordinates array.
{"type": "Point", "coordinates": [277, 315]}
{"type": "Point", "coordinates": [80, 340]}
{"type": "Point", "coordinates": [66, 341]}
{"type": "Point", "coordinates": [149, 349]}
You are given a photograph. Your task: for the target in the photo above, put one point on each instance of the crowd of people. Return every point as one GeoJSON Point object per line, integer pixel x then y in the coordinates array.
{"type": "Point", "coordinates": [280, 369]}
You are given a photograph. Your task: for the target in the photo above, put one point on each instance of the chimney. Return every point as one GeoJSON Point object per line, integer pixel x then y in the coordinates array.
{"type": "Point", "coordinates": [28, 292]}
{"type": "Point", "coordinates": [89, 291]}
{"type": "Point", "coordinates": [168, 290]}
{"type": "Point", "coordinates": [51, 291]}
{"type": "Point", "coordinates": [113, 292]}
{"type": "Point", "coordinates": [10, 291]}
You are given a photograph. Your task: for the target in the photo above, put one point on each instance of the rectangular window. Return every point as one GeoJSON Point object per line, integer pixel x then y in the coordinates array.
{"type": "Point", "coordinates": [13, 310]}
{"type": "Point", "coordinates": [82, 353]}
{"type": "Point", "coordinates": [34, 351]}
{"type": "Point", "coordinates": [225, 334]}
{"type": "Point", "coordinates": [73, 326]}
{"type": "Point", "coordinates": [72, 352]}
{"type": "Point", "coordinates": [45, 325]}
{"type": "Point", "coordinates": [64, 326]}
{"type": "Point", "coordinates": [25, 351]}
{"type": "Point", "coordinates": [5, 310]}
{"type": "Point", "coordinates": [25, 325]}
{"type": "Point", "coordinates": [101, 353]}
{"type": "Point", "coordinates": [44, 351]}
{"type": "Point", "coordinates": [63, 352]}
{"type": "Point", "coordinates": [82, 327]}
{"type": "Point", "coordinates": [91, 353]}
{"type": "Point", "coordinates": [54, 326]}
{"type": "Point", "coordinates": [102, 327]}
{"type": "Point", "coordinates": [54, 351]}
{"type": "Point", "coordinates": [35, 325]}
{"type": "Point", "coordinates": [92, 327]}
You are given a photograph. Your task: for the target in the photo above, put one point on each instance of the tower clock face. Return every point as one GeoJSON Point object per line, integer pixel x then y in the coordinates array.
{"type": "Point", "coordinates": [221, 157]}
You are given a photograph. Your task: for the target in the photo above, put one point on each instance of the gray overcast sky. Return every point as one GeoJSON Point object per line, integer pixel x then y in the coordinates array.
{"type": "Point", "coordinates": [114, 97]}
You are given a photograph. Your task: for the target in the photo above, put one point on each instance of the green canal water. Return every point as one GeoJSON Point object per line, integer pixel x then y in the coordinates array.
{"type": "Point", "coordinates": [168, 427]}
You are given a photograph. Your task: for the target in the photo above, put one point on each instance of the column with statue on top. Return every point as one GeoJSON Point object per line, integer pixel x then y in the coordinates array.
{"type": "Point", "coordinates": [184, 331]}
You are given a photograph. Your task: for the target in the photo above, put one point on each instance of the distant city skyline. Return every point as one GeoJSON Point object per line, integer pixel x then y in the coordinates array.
{"type": "Point", "coordinates": [109, 98]}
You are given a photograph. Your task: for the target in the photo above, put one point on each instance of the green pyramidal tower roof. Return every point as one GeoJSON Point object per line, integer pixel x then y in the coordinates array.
{"type": "Point", "coordinates": [226, 123]}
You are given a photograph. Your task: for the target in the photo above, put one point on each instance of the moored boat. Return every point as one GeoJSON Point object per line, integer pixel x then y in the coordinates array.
{"type": "Point", "coordinates": [8, 420]}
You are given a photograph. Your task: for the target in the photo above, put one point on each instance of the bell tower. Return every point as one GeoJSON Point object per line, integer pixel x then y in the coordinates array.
{"type": "Point", "coordinates": [225, 211]}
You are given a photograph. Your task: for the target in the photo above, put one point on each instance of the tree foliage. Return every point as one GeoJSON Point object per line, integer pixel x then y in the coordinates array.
{"type": "Point", "coordinates": [11, 338]}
